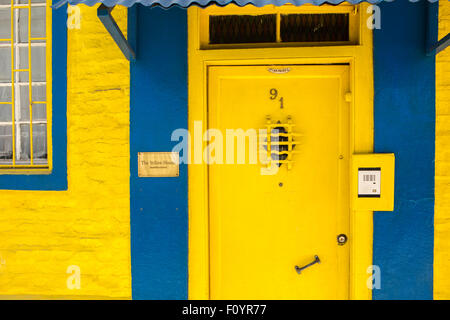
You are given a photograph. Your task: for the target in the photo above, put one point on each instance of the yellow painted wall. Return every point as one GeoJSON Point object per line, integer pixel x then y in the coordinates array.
{"type": "Point", "coordinates": [42, 232]}
{"type": "Point", "coordinates": [442, 187]}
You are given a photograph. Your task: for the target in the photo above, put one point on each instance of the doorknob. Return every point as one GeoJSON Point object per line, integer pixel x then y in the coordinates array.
{"type": "Point", "coordinates": [299, 269]}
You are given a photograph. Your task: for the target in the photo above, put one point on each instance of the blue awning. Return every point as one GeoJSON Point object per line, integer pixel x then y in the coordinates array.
{"type": "Point", "coordinates": [204, 3]}
{"type": "Point", "coordinates": [104, 13]}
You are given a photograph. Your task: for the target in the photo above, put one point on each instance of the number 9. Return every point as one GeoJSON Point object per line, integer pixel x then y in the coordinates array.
{"type": "Point", "coordinates": [273, 94]}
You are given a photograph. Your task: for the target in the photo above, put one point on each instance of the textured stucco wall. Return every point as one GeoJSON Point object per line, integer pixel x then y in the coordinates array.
{"type": "Point", "coordinates": [43, 232]}
{"type": "Point", "coordinates": [442, 180]}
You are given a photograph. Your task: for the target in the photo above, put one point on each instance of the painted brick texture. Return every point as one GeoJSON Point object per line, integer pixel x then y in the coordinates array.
{"type": "Point", "coordinates": [44, 232]}
{"type": "Point", "coordinates": [442, 180]}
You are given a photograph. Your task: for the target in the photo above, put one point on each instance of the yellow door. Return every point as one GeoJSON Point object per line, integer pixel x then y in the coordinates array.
{"type": "Point", "coordinates": [267, 221]}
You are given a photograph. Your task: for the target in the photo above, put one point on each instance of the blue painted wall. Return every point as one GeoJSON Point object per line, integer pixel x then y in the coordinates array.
{"type": "Point", "coordinates": [404, 118]}
{"type": "Point", "coordinates": [57, 180]}
{"type": "Point", "coordinates": [158, 105]}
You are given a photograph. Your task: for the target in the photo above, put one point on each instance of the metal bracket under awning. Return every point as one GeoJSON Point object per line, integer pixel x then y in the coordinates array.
{"type": "Point", "coordinates": [432, 45]}
{"type": "Point", "coordinates": [104, 14]}
{"type": "Point", "coordinates": [439, 46]}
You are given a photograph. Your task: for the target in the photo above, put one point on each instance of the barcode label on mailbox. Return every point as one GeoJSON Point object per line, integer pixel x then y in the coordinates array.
{"type": "Point", "coordinates": [369, 182]}
{"type": "Point", "coordinates": [369, 177]}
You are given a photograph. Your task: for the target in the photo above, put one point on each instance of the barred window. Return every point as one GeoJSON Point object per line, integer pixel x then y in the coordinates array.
{"type": "Point", "coordinates": [24, 90]}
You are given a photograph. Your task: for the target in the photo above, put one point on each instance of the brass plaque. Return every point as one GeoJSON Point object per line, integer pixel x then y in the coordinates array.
{"type": "Point", "coordinates": [158, 164]}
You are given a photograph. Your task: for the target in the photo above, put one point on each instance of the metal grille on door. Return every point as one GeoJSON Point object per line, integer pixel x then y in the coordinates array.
{"type": "Point", "coordinates": [279, 142]}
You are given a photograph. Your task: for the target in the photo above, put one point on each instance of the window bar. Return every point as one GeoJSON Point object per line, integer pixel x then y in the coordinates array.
{"type": "Point", "coordinates": [30, 99]}
{"type": "Point", "coordinates": [33, 44]}
{"type": "Point", "coordinates": [47, 136]}
{"type": "Point", "coordinates": [12, 87]}
{"type": "Point", "coordinates": [17, 97]}
{"type": "Point", "coordinates": [23, 166]}
{"type": "Point", "coordinates": [22, 6]}
{"type": "Point", "coordinates": [278, 26]}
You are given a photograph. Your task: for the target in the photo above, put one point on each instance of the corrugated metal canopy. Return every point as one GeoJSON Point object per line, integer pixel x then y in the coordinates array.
{"type": "Point", "coordinates": [204, 3]}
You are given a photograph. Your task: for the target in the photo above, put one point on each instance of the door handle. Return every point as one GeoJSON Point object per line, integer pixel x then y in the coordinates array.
{"type": "Point", "coordinates": [300, 269]}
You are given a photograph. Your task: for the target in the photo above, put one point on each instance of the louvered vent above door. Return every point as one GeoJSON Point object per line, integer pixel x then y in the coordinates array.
{"type": "Point", "coordinates": [327, 27]}
{"type": "Point", "coordinates": [242, 29]}
{"type": "Point", "coordinates": [223, 28]}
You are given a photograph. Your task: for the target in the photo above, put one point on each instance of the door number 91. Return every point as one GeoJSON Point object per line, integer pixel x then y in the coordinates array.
{"type": "Point", "coordinates": [274, 94]}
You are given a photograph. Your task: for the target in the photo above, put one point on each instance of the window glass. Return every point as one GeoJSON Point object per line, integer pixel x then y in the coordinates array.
{"type": "Point", "coordinates": [5, 22]}
{"type": "Point", "coordinates": [6, 144]}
